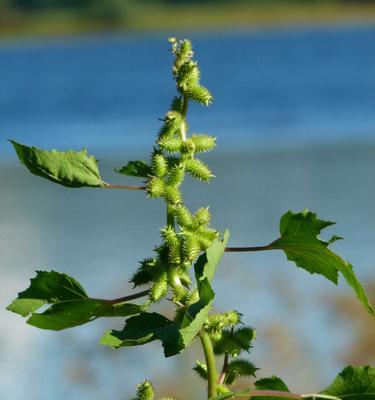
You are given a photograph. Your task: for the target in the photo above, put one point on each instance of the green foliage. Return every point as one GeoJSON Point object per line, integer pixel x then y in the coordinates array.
{"type": "Point", "coordinates": [69, 168]}
{"type": "Point", "coordinates": [207, 263]}
{"type": "Point", "coordinates": [187, 240]}
{"type": "Point", "coordinates": [301, 244]}
{"type": "Point", "coordinates": [136, 168]}
{"type": "Point", "coordinates": [354, 383]}
{"type": "Point", "coordinates": [174, 335]}
{"type": "Point", "coordinates": [141, 329]}
{"type": "Point", "coordinates": [69, 304]}
{"type": "Point", "coordinates": [272, 383]}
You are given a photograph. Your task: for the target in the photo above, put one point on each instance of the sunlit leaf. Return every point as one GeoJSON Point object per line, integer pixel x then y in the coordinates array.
{"type": "Point", "coordinates": [354, 383]}
{"type": "Point", "coordinates": [68, 302]}
{"type": "Point", "coordinates": [136, 168]}
{"type": "Point", "coordinates": [300, 241]}
{"type": "Point", "coordinates": [68, 168]}
{"type": "Point", "coordinates": [207, 263]}
{"type": "Point", "coordinates": [175, 336]}
{"type": "Point", "coordinates": [138, 330]}
{"type": "Point", "coordinates": [272, 383]}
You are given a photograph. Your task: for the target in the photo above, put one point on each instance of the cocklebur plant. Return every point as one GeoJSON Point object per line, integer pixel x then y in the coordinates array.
{"type": "Point", "coordinates": [183, 265]}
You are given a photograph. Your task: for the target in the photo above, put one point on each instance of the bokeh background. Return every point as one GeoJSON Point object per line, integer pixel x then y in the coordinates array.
{"type": "Point", "coordinates": [294, 114]}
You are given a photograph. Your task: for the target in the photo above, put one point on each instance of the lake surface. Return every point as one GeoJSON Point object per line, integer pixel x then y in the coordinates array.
{"type": "Point", "coordinates": [295, 121]}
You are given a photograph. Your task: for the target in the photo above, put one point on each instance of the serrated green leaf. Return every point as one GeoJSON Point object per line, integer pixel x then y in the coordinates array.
{"type": "Point", "coordinates": [77, 312]}
{"type": "Point", "coordinates": [69, 304]}
{"type": "Point", "coordinates": [46, 288]}
{"type": "Point", "coordinates": [174, 336]}
{"type": "Point", "coordinates": [138, 330]}
{"type": "Point", "coordinates": [136, 168]}
{"type": "Point", "coordinates": [272, 383]}
{"type": "Point", "coordinates": [207, 263]}
{"type": "Point", "coordinates": [67, 168]}
{"type": "Point", "coordinates": [276, 388]}
{"type": "Point", "coordinates": [354, 383]}
{"type": "Point", "coordinates": [25, 307]}
{"type": "Point", "coordinates": [196, 314]}
{"type": "Point", "coordinates": [300, 241]}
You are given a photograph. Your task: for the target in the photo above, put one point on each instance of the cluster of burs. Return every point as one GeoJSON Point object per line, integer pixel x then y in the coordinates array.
{"type": "Point", "coordinates": [173, 157]}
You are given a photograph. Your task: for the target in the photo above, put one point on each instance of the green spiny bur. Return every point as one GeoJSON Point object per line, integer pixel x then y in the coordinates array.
{"type": "Point", "coordinates": [159, 165]}
{"type": "Point", "coordinates": [198, 169]}
{"type": "Point", "coordinates": [156, 187]}
{"type": "Point", "coordinates": [145, 391]}
{"type": "Point", "coordinates": [171, 144]}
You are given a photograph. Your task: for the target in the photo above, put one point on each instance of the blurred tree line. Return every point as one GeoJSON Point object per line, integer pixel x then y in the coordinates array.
{"type": "Point", "coordinates": [56, 17]}
{"type": "Point", "coordinates": [119, 4]}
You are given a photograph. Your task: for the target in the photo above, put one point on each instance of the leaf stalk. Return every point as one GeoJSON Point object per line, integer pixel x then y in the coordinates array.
{"type": "Point", "coordinates": [248, 249]}
{"type": "Point", "coordinates": [129, 297]}
{"type": "Point", "coordinates": [128, 187]}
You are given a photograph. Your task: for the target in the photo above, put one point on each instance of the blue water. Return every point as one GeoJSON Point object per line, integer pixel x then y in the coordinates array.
{"type": "Point", "coordinates": [271, 88]}
{"type": "Point", "coordinates": [294, 116]}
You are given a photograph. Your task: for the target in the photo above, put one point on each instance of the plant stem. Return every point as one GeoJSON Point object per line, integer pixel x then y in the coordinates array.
{"type": "Point", "coordinates": [224, 370]}
{"type": "Point", "coordinates": [170, 215]}
{"type": "Point", "coordinates": [129, 297]}
{"type": "Point", "coordinates": [243, 249]}
{"type": "Point", "coordinates": [184, 105]}
{"type": "Point", "coordinates": [210, 362]}
{"type": "Point", "coordinates": [129, 187]}
{"type": "Point", "coordinates": [273, 394]}
{"type": "Point", "coordinates": [183, 113]}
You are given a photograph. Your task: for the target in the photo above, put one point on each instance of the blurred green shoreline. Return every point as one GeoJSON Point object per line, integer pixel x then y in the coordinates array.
{"type": "Point", "coordinates": [174, 18]}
